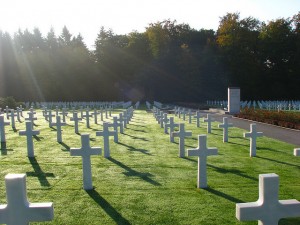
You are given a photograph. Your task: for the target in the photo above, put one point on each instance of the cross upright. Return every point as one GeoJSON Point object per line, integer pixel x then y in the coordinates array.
{"type": "Point", "coordinates": [197, 117]}
{"type": "Point", "coordinates": [159, 116]}
{"type": "Point", "coordinates": [85, 152]}
{"type": "Point", "coordinates": [95, 115]}
{"type": "Point", "coordinates": [164, 120]}
{"type": "Point", "coordinates": [225, 125]}
{"type": "Point", "coordinates": [253, 135]}
{"type": "Point", "coordinates": [182, 134]}
{"type": "Point", "coordinates": [87, 116]}
{"type": "Point", "coordinates": [106, 133]}
{"type": "Point", "coordinates": [190, 114]}
{"type": "Point", "coordinates": [12, 118]}
{"type": "Point", "coordinates": [208, 119]}
{"type": "Point", "coordinates": [183, 112]}
{"type": "Point", "coordinates": [58, 126]}
{"type": "Point", "coordinates": [202, 152]}
{"type": "Point", "coordinates": [18, 209]}
{"type": "Point", "coordinates": [19, 113]}
{"type": "Point", "coordinates": [7, 112]}
{"type": "Point", "coordinates": [56, 111]}
{"type": "Point", "coordinates": [76, 120]}
{"type": "Point", "coordinates": [64, 113]}
{"type": "Point", "coordinates": [296, 151]}
{"type": "Point", "coordinates": [21, 110]}
{"type": "Point", "coordinates": [268, 210]}
{"type": "Point", "coordinates": [120, 119]}
{"type": "Point", "coordinates": [125, 119]}
{"type": "Point", "coordinates": [29, 133]}
{"type": "Point", "coordinates": [2, 128]}
{"type": "Point", "coordinates": [31, 118]}
{"type": "Point", "coordinates": [171, 125]}
{"type": "Point", "coordinates": [115, 125]}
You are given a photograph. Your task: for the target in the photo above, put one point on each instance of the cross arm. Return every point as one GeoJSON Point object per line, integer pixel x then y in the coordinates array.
{"type": "Point", "coordinates": [41, 211]}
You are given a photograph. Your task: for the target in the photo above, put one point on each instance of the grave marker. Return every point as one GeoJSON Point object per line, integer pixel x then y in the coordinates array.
{"type": "Point", "coordinates": [76, 120]}
{"type": "Point", "coordinates": [105, 134]}
{"type": "Point", "coordinates": [297, 152]}
{"type": "Point", "coordinates": [2, 128]}
{"type": "Point", "coordinates": [197, 117]}
{"type": "Point", "coordinates": [268, 210]}
{"type": "Point", "coordinates": [85, 152]}
{"type": "Point", "coordinates": [209, 120]}
{"type": "Point", "coordinates": [172, 127]}
{"type": "Point", "coordinates": [202, 152]}
{"type": "Point", "coordinates": [225, 125]}
{"type": "Point", "coordinates": [234, 100]}
{"type": "Point", "coordinates": [58, 126]}
{"type": "Point", "coordinates": [253, 135]}
{"type": "Point", "coordinates": [182, 134]}
{"type": "Point", "coordinates": [18, 210]}
{"type": "Point", "coordinates": [29, 133]}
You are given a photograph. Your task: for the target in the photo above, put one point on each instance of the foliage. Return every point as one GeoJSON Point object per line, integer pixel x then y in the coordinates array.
{"type": "Point", "coordinates": [145, 182]}
{"type": "Point", "coordinates": [168, 62]}
{"type": "Point", "coordinates": [281, 118]}
{"type": "Point", "coordinates": [8, 101]}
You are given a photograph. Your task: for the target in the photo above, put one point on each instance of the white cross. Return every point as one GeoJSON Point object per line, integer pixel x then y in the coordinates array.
{"type": "Point", "coordinates": [164, 120]}
{"type": "Point", "coordinates": [208, 120]}
{"type": "Point", "coordinates": [87, 116]}
{"type": "Point", "coordinates": [12, 118]}
{"type": "Point", "coordinates": [253, 134]}
{"type": "Point", "coordinates": [197, 117]}
{"type": "Point", "coordinates": [115, 125]}
{"type": "Point", "coordinates": [31, 118]}
{"type": "Point", "coordinates": [159, 116]}
{"type": "Point", "coordinates": [181, 134]}
{"type": "Point", "coordinates": [7, 111]}
{"type": "Point", "coordinates": [85, 152]}
{"type": "Point", "coordinates": [268, 210]}
{"type": "Point", "coordinates": [172, 126]}
{"type": "Point", "coordinates": [29, 133]}
{"type": "Point", "coordinates": [225, 125]}
{"type": "Point", "coordinates": [296, 151]}
{"type": "Point", "coordinates": [106, 133]}
{"type": "Point", "coordinates": [202, 152]}
{"type": "Point", "coordinates": [58, 126]}
{"type": "Point", "coordinates": [18, 210]}
{"type": "Point", "coordinates": [76, 120]}
{"type": "Point", "coordinates": [121, 123]}
{"type": "Point", "coordinates": [2, 128]}
{"type": "Point", "coordinates": [190, 114]}
{"type": "Point", "coordinates": [64, 113]}
{"type": "Point", "coordinates": [95, 114]}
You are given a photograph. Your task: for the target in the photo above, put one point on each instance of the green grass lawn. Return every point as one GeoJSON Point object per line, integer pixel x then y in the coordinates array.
{"type": "Point", "coordinates": [144, 181]}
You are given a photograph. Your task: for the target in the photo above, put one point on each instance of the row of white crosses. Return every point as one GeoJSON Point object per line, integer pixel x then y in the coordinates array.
{"type": "Point", "coordinates": [18, 209]}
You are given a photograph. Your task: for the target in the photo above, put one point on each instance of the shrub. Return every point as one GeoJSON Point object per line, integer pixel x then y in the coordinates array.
{"type": "Point", "coordinates": [8, 101]}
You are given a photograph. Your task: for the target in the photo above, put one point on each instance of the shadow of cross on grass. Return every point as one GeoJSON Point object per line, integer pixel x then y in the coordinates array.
{"type": "Point", "coordinates": [131, 172]}
{"type": "Point", "coordinates": [130, 148]}
{"type": "Point", "coordinates": [108, 208]}
{"type": "Point", "coordinates": [4, 149]}
{"type": "Point", "coordinates": [38, 172]}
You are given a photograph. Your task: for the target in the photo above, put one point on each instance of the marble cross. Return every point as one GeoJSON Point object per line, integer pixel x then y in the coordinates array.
{"type": "Point", "coordinates": [197, 117]}
{"type": "Point", "coordinates": [2, 128]}
{"type": "Point", "coordinates": [202, 152]}
{"type": "Point", "coordinates": [85, 152]}
{"type": "Point", "coordinates": [268, 210]}
{"type": "Point", "coordinates": [18, 210]}
{"type": "Point", "coordinates": [76, 119]}
{"type": "Point", "coordinates": [209, 120]}
{"type": "Point", "coordinates": [106, 133]}
{"type": "Point", "coordinates": [29, 133]}
{"type": "Point", "coordinates": [253, 135]}
{"type": "Point", "coordinates": [171, 125]}
{"type": "Point", "coordinates": [225, 125]}
{"type": "Point", "coordinates": [58, 126]}
{"type": "Point", "coordinates": [164, 120]}
{"type": "Point", "coordinates": [182, 134]}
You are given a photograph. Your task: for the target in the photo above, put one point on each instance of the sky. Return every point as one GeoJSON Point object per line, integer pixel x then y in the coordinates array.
{"type": "Point", "coordinates": [124, 16]}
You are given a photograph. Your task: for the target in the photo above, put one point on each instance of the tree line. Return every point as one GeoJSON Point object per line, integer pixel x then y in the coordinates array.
{"type": "Point", "coordinates": [169, 62]}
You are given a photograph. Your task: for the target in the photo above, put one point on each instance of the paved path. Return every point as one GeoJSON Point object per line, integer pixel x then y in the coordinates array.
{"type": "Point", "coordinates": [279, 133]}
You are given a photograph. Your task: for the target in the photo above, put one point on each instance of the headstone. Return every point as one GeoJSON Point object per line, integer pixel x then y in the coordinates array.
{"type": "Point", "coordinates": [225, 125]}
{"type": "Point", "coordinates": [197, 117]}
{"type": "Point", "coordinates": [95, 115]}
{"type": "Point", "coordinates": [297, 152]}
{"type": "Point", "coordinates": [85, 152]}
{"type": "Point", "coordinates": [182, 134]}
{"type": "Point", "coordinates": [190, 115]}
{"type": "Point", "coordinates": [2, 128]}
{"type": "Point", "coordinates": [18, 210]}
{"type": "Point", "coordinates": [58, 126]}
{"type": "Point", "coordinates": [115, 124]}
{"type": "Point", "coordinates": [171, 125]}
{"type": "Point", "coordinates": [31, 118]}
{"type": "Point", "coordinates": [164, 120]}
{"type": "Point", "coordinates": [208, 120]}
{"type": "Point", "coordinates": [87, 117]}
{"type": "Point", "coordinates": [234, 100]}
{"type": "Point", "coordinates": [268, 210]}
{"type": "Point", "coordinates": [76, 120]}
{"type": "Point", "coordinates": [253, 135]}
{"type": "Point", "coordinates": [202, 152]}
{"type": "Point", "coordinates": [29, 133]}
{"type": "Point", "coordinates": [12, 118]}
{"type": "Point", "coordinates": [106, 133]}
{"type": "Point", "coordinates": [121, 123]}
{"type": "Point", "coordinates": [64, 113]}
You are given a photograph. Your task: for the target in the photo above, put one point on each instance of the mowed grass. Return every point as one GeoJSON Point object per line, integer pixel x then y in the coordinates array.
{"type": "Point", "coordinates": [144, 181]}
